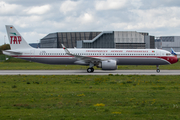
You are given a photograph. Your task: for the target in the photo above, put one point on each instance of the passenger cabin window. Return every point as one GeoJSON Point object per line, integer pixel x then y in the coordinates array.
{"type": "Point", "coordinates": [167, 54]}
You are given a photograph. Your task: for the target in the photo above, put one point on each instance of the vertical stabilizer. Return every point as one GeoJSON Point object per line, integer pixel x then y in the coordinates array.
{"type": "Point", "coordinates": [173, 52]}
{"type": "Point", "coordinates": [15, 39]}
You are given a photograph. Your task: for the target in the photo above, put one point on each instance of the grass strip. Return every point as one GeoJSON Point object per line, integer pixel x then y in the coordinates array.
{"type": "Point", "coordinates": [79, 97]}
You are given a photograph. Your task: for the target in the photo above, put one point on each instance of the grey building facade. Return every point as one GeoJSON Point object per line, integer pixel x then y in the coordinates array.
{"type": "Point", "coordinates": [69, 39]}
{"type": "Point", "coordinates": [104, 39]}
{"type": "Point", "coordinates": [168, 42]}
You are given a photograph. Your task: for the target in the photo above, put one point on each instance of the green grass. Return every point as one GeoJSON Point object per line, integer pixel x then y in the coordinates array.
{"type": "Point", "coordinates": [90, 97]}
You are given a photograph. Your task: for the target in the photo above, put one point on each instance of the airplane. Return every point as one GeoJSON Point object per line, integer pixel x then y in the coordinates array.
{"type": "Point", "coordinates": [175, 53]}
{"type": "Point", "coordinates": [106, 59]}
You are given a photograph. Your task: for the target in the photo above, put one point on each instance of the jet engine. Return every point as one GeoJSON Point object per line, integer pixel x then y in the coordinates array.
{"type": "Point", "coordinates": [108, 65]}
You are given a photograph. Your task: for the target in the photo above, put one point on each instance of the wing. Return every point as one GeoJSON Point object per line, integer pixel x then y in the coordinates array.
{"type": "Point", "coordinates": [84, 58]}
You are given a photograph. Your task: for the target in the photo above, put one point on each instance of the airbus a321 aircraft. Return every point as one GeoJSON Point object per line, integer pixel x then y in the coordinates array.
{"type": "Point", "coordinates": [107, 59]}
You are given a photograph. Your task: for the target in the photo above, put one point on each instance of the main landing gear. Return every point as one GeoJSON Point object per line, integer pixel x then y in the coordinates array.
{"type": "Point", "coordinates": [90, 69]}
{"type": "Point", "coordinates": [157, 70]}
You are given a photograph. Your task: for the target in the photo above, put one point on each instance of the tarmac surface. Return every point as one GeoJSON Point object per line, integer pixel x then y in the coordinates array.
{"type": "Point", "coordinates": [84, 72]}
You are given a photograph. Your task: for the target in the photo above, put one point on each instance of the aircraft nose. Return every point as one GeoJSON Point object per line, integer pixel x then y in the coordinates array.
{"type": "Point", "coordinates": [174, 60]}
{"type": "Point", "coordinates": [177, 59]}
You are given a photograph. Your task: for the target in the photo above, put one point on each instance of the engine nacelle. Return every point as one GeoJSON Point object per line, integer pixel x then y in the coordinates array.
{"type": "Point", "coordinates": [108, 65]}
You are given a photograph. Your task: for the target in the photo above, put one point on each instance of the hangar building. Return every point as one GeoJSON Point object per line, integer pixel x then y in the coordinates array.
{"type": "Point", "coordinates": [99, 39]}
{"type": "Point", "coordinates": [168, 42]}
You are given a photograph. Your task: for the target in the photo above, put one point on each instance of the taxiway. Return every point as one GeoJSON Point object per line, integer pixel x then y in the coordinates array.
{"type": "Point", "coordinates": [83, 72]}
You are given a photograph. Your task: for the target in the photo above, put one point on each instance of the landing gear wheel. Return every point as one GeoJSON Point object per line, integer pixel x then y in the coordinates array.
{"type": "Point", "coordinates": [89, 70]}
{"type": "Point", "coordinates": [92, 69]}
{"type": "Point", "coordinates": [158, 70]}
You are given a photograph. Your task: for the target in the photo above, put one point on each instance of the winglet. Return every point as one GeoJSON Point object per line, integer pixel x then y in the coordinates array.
{"type": "Point", "coordinates": [173, 52]}
{"type": "Point", "coordinates": [66, 50]}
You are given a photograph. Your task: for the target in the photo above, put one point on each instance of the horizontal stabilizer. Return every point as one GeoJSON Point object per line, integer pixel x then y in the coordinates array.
{"type": "Point", "coordinates": [10, 52]}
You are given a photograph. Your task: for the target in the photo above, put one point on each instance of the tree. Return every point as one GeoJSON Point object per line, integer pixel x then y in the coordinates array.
{"type": "Point", "coordinates": [4, 47]}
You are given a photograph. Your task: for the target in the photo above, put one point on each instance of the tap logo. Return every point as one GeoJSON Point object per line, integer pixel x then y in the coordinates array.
{"type": "Point", "coordinates": [15, 39]}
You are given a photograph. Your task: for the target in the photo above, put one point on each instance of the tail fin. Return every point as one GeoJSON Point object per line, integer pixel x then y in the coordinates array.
{"type": "Point", "coordinates": [173, 52]}
{"type": "Point", "coordinates": [15, 39]}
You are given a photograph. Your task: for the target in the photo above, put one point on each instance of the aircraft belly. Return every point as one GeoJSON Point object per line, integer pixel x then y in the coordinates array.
{"type": "Point", "coordinates": [120, 61]}
{"type": "Point", "coordinates": [141, 61]}
{"type": "Point", "coordinates": [57, 61]}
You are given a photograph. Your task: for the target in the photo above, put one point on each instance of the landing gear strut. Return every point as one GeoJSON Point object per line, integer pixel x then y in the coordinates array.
{"type": "Point", "coordinates": [157, 70]}
{"type": "Point", "coordinates": [90, 69]}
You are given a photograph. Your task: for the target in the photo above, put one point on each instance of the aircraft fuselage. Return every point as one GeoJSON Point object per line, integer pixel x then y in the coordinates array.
{"type": "Point", "coordinates": [122, 56]}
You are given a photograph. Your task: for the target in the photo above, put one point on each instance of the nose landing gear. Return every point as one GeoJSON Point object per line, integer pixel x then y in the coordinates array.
{"type": "Point", "coordinates": [157, 70]}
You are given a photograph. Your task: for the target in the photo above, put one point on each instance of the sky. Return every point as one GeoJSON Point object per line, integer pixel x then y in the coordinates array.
{"type": "Point", "coordinates": [34, 19]}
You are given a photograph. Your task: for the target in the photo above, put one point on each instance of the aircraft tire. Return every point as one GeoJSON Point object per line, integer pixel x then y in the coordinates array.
{"type": "Point", "coordinates": [89, 70]}
{"type": "Point", "coordinates": [92, 69]}
{"type": "Point", "coordinates": [158, 70]}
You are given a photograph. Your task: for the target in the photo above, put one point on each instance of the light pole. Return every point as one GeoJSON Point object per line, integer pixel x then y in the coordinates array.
{"type": "Point", "coordinates": [4, 39]}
